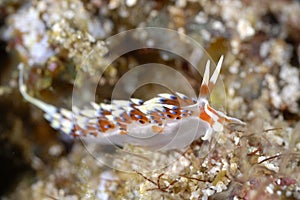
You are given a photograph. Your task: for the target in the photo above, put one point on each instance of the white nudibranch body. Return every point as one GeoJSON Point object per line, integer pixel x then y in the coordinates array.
{"type": "Point", "coordinates": [168, 121]}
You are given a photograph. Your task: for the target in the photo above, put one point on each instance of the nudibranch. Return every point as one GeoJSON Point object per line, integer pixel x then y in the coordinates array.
{"type": "Point", "coordinates": [168, 121]}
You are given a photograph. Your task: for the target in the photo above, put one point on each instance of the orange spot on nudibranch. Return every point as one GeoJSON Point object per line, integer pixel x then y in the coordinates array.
{"type": "Point", "coordinates": [171, 102]}
{"type": "Point", "coordinates": [105, 124]}
{"type": "Point", "coordinates": [205, 117]}
{"type": "Point", "coordinates": [157, 129]}
{"type": "Point", "coordinates": [204, 90]}
{"type": "Point", "coordinates": [173, 114]}
{"type": "Point", "coordinates": [75, 130]}
{"type": "Point", "coordinates": [137, 115]}
{"type": "Point", "coordinates": [212, 110]}
{"type": "Point", "coordinates": [123, 132]}
{"type": "Point", "coordinates": [220, 119]}
{"type": "Point", "coordinates": [106, 112]}
{"type": "Point", "coordinates": [126, 118]}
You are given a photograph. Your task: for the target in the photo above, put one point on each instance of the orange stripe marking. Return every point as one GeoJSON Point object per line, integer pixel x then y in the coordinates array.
{"type": "Point", "coordinates": [204, 116]}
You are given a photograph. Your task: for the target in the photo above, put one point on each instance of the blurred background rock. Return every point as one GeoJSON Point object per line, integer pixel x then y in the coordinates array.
{"type": "Point", "coordinates": [261, 44]}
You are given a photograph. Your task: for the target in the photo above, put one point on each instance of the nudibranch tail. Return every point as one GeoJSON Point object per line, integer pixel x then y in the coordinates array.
{"type": "Point", "coordinates": [60, 119]}
{"type": "Point", "coordinates": [47, 108]}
